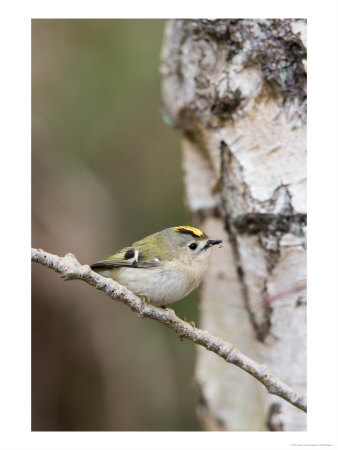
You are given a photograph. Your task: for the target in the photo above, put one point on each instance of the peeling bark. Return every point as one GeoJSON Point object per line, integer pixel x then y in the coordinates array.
{"type": "Point", "coordinates": [236, 90]}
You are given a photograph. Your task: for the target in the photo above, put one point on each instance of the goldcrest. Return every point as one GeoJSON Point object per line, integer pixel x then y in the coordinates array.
{"type": "Point", "coordinates": [163, 267]}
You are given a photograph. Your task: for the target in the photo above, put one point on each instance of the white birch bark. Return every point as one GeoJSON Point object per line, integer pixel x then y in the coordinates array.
{"type": "Point", "coordinates": [236, 89]}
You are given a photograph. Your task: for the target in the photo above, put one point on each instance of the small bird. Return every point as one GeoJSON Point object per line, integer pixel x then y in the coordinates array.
{"type": "Point", "coordinates": [163, 267]}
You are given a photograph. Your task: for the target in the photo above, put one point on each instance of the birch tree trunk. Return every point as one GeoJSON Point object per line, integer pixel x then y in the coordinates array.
{"type": "Point", "coordinates": [236, 90]}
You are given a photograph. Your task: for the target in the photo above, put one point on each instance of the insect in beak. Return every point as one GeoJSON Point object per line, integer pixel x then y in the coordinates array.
{"type": "Point", "coordinates": [211, 242]}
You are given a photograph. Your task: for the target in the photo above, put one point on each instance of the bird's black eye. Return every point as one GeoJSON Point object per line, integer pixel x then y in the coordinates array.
{"type": "Point", "coordinates": [193, 246]}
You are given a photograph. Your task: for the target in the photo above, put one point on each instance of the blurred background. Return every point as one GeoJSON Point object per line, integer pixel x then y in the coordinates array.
{"type": "Point", "coordinates": [106, 171]}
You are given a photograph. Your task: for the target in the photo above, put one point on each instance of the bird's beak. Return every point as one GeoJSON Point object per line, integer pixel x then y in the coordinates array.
{"type": "Point", "coordinates": [213, 242]}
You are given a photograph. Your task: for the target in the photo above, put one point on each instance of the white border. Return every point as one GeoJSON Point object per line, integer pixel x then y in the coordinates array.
{"type": "Point", "coordinates": [322, 168]}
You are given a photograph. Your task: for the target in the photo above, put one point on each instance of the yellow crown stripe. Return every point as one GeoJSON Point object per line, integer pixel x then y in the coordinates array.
{"type": "Point", "coordinates": [193, 230]}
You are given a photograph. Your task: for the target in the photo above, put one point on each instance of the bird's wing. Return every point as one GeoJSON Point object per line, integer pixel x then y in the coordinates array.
{"type": "Point", "coordinates": [143, 258]}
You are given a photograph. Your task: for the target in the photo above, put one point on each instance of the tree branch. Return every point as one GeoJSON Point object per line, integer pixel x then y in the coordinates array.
{"type": "Point", "coordinates": [70, 269]}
